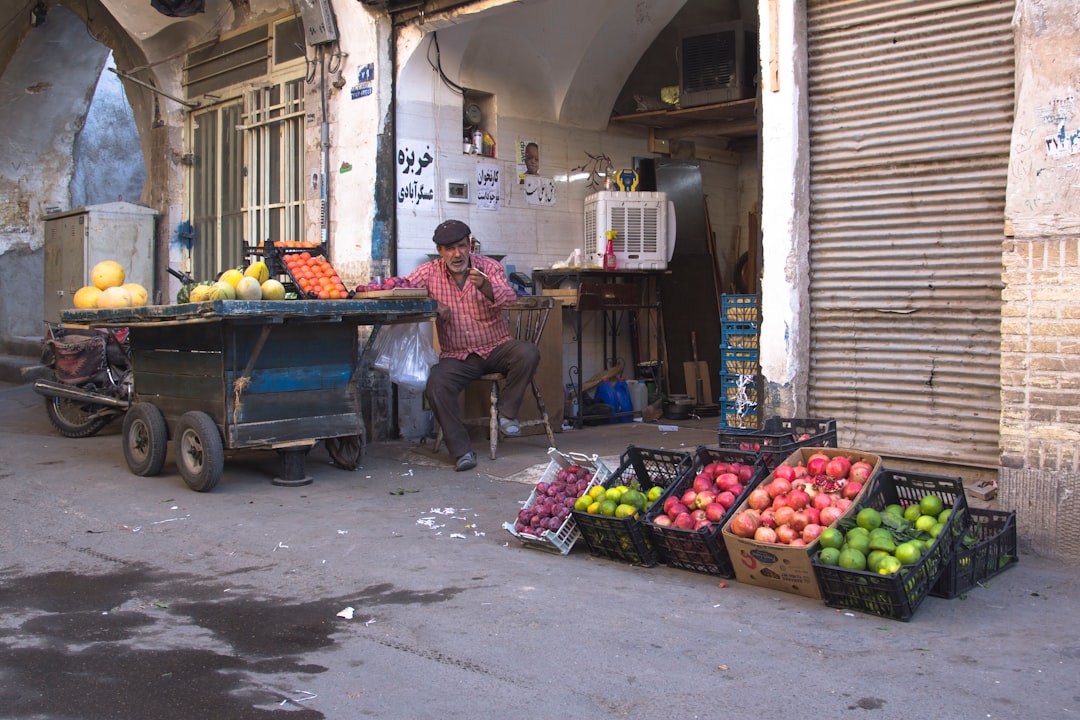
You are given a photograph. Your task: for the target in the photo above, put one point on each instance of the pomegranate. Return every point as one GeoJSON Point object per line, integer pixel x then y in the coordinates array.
{"type": "Point", "coordinates": [759, 499]}
{"type": "Point", "coordinates": [784, 472]}
{"type": "Point", "coordinates": [815, 464]}
{"type": "Point", "coordinates": [765, 535]}
{"type": "Point", "coordinates": [851, 490]}
{"type": "Point", "coordinates": [838, 467]}
{"type": "Point", "coordinates": [745, 523]}
{"type": "Point", "coordinates": [798, 499]}
{"type": "Point", "coordinates": [811, 532]}
{"type": "Point", "coordinates": [784, 534]}
{"type": "Point", "coordinates": [830, 515]}
{"type": "Point", "coordinates": [778, 486]}
{"type": "Point", "coordinates": [860, 471]}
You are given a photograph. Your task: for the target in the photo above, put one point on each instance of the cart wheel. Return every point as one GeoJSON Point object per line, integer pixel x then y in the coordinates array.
{"type": "Point", "coordinates": [346, 451]}
{"type": "Point", "coordinates": [146, 439]}
{"type": "Point", "coordinates": [200, 455]}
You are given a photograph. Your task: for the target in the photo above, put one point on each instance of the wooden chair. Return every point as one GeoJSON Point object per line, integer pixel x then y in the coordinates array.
{"type": "Point", "coordinates": [527, 318]}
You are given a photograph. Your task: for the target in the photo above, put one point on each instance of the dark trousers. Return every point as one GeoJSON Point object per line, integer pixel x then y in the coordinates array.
{"type": "Point", "coordinates": [515, 359]}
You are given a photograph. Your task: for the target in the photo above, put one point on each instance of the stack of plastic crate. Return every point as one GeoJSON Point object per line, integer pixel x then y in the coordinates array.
{"type": "Point", "coordinates": [739, 377]}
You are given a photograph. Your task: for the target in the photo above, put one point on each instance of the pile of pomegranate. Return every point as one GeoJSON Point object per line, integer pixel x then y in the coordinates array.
{"type": "Point", "coordinates": [796, 502]}
{"type": "Point", "coordinates": [713, 491]}
{"type": "Point", "coordinates": [388, 284]}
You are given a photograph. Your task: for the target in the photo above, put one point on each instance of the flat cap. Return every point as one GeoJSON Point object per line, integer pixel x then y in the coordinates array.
{"type": "Point", "coordinates": [450, 232]}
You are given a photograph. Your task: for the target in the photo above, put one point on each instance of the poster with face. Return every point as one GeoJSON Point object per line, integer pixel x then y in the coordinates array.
{"type": "Point", "coordinates": [528, 159]}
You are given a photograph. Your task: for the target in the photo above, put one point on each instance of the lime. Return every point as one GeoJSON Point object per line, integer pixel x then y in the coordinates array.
{"type": "Point", "coordinates": [596, 491]}
{"type": "Point", "coordinates": [831, 538]}
{"type": "Point", "coordinates": [582, 503]}
{"type": "Point", "coordinates": [625, 510]}
{"type": "Point", "coordinates": [868, 518]}
{"type": "Point", "coordinates": [912, 512]}
{"type": "Point", "coordinates": [925, 522]}
{"type": "Point", "coordinates": [857, 531]}
{"type": "Point", "coordinates": [881, 539]}
{"type": "Point", "coordinates": [613, 494]}
{"type": "Point", "coordinates": [858, 542]}
{"type": "Point", "coordinates": [945, 515]}
{"type": "Point", "coordinates": [654, 493]}
{"type": "Point", "coordinates": [931, 505]}
{"type": "Point", "coordinates": [852, 559]}
{"type": "Point", "coordinates": [607, 507]}
{"type": "Point", "coordinates": [908, 553]}
{"type": "Point", "coordinates": [888, 566]}
{"type": "Point", "coordinates": [829, 556]}
{"type": "Point", "coordinates": [895, 509]}
{"type": "Point", "coordinates": [937, 529]}
{"type": "Point", "coordinates": [634, 499]}
{"type": "Point", "coordinates": [873, 560]}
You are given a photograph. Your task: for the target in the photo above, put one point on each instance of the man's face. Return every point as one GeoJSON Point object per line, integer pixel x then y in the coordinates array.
{"type": "Point", "coordinates": [456, 256]}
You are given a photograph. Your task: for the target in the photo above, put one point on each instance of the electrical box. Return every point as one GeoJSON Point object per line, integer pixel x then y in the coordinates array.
{"type": "Point", "coordinates": [318, 17]}
{"type": "Point", "coordinates": [77, 240]}
{"type": "Point", "coordinates": [644, 223]}
{"type": "Point", "coordinates": [718, 64]}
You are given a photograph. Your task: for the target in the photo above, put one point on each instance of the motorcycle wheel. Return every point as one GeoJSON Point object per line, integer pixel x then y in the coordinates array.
{"type": "Point", "coordinates": [200, 454]}
{"type": "Point", "coordinates": [146, 439]}
{"type": "Point", "coordinates": [74, 418]}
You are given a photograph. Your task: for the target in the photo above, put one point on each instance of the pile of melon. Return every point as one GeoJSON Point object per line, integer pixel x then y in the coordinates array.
{"type": "Point", "coordinates": [109, 289]}
{"type": "Point", "coordinates": [251, 283]}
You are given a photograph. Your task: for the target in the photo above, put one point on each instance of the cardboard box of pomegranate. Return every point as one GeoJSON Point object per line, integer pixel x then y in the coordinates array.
{"type": "Point", "coordinates": [773, 533]}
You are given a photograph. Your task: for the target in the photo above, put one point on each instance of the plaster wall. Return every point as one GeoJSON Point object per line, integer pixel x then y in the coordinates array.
{"type": "Point", "coordinates": [45, 94]}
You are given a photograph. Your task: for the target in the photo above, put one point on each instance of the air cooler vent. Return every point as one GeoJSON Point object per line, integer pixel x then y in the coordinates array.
{"type": "Point", "coordinates": [718, 64]}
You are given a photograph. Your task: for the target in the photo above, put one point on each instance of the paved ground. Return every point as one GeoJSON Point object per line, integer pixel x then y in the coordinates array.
{"type": "Point", "coordinates": [129, 597]}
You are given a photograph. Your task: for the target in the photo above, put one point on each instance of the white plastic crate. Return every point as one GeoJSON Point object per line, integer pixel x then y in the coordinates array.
{"type": "Point", "coordinates": [644, 223]}
{"type": "Point", "coordinates": [562, 540]}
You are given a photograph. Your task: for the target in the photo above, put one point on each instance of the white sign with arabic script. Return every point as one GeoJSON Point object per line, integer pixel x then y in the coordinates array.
{"type": "Point", "coordinates": [488, 186]}
{"type": "Point", "coordinates": [415, 174]}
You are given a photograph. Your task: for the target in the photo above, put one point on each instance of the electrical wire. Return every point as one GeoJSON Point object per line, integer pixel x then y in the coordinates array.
{"type": "Point", "coordinates": [436, 65]}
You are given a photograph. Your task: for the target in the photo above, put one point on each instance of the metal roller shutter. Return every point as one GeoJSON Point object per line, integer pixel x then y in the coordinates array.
{"type": "Point", "coordinates": [911, 108]}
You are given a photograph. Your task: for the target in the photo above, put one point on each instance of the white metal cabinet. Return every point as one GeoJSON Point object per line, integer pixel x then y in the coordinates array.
{"type": "Point", "coordinates": [76, 240]}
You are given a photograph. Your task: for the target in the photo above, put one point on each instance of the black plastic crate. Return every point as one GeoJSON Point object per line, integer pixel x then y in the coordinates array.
{"type": "Point", "coordinates": [779, 437]}
{"type": "Point", "coordinates": [625, 538]}
{"type": "Point", "coordinates": [702, 550]}
{"type": "Point", "coordinates": [988, 546]}
{"type": "Point", "coordinates": [898, 596]}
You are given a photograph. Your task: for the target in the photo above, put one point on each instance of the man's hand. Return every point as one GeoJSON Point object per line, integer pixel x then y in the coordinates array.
{"type": "Point", "coordinates": [477, 278]}
{"type": "Point", "coordinates": [480, 282]}
{"type": "Point", "coordinates": [443, 311]}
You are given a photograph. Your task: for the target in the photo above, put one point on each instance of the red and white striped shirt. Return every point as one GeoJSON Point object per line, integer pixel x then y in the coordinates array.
{"type": "Point", "coordinates": [476, 324]}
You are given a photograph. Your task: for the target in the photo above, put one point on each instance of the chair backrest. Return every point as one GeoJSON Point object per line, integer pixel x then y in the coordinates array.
{"type": "Point", "coordinates": [528, 316]}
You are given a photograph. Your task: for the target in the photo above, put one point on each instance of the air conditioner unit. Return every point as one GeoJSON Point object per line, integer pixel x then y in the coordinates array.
{"type": "Point", "coordinates": [644, 223]}
{"type": "Point", "coordinates": [718, 64]}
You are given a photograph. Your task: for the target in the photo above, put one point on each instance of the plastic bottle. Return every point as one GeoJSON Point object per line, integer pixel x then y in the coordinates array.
{"type": "Point", "coordinates": [609, 251]}
{"type": "Point", "coordinates": [625, 404]}
{"type": "Point", "coordinates": [639, 394]}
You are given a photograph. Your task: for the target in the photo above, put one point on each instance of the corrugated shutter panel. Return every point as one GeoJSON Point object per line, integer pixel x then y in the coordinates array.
{"type": "Point", "coordinates": [911, 107]}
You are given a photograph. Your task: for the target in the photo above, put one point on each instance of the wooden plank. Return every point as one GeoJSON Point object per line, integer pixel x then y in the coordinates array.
{"type": "Point", "coordinates": [364, 311]}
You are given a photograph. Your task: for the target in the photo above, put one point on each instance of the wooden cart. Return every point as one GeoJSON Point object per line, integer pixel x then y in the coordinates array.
{"type": "Point", "coordinates": [233, 374]}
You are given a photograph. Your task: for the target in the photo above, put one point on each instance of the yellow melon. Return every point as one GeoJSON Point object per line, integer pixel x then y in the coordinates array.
{"type": "Point", "coordinates": [199, 293]}
{"type": "Point", "coordinates": [258, 270]}
{"type": "Point", "coordinates": [138, 294]}
{"type": "Point", "coordinates": [114, 297]}
{"type": "Point", "coordinates": [222, 291]}
{"type": "Point", "coordinates": [107, 274]}
{"type": "Point", "coordinates": [87, 297]}
{"type": "Point", "coordinates": [248, 289]}
{"type": "Point", "coordinates": [273, 290]}
{"type": "Point", "coordinates": [232, 277]}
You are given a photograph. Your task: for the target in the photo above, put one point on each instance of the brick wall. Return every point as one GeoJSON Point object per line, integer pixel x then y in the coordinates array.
{"type": "Point", "coordinates": [1040, 390]}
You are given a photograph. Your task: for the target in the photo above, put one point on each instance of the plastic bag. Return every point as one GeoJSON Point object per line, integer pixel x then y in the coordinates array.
{"type": "Point", "coordinates": [405, 352]}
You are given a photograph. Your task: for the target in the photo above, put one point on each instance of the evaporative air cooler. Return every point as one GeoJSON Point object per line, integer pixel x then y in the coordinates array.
{"type": "Point", "coordinates": [718, 64]}
{"type": "Point", "coordinates": [644, 225]}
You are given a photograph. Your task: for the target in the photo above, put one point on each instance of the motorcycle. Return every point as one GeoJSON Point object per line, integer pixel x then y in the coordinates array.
{"type": "Point", "coordinates": [92, 381]}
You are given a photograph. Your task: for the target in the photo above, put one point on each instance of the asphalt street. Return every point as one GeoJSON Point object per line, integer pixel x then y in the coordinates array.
{"type": "Point", "coordinates": [133, 597]}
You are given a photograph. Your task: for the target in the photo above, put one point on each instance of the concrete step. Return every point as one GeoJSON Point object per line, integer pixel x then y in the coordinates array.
{"type": "Point", "coordinates": [21, 369]}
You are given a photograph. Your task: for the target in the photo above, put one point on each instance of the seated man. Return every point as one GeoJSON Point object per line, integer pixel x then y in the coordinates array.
{"type": "Point", "coordinates": [474, 338]}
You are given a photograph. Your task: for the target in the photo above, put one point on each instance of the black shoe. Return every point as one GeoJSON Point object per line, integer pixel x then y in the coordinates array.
{"type": "Point", "coordinates": [466, 462]}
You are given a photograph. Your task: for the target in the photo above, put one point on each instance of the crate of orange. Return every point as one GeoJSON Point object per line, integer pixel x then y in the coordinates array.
{"type": "Point", "coordinates": [314, 276]}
